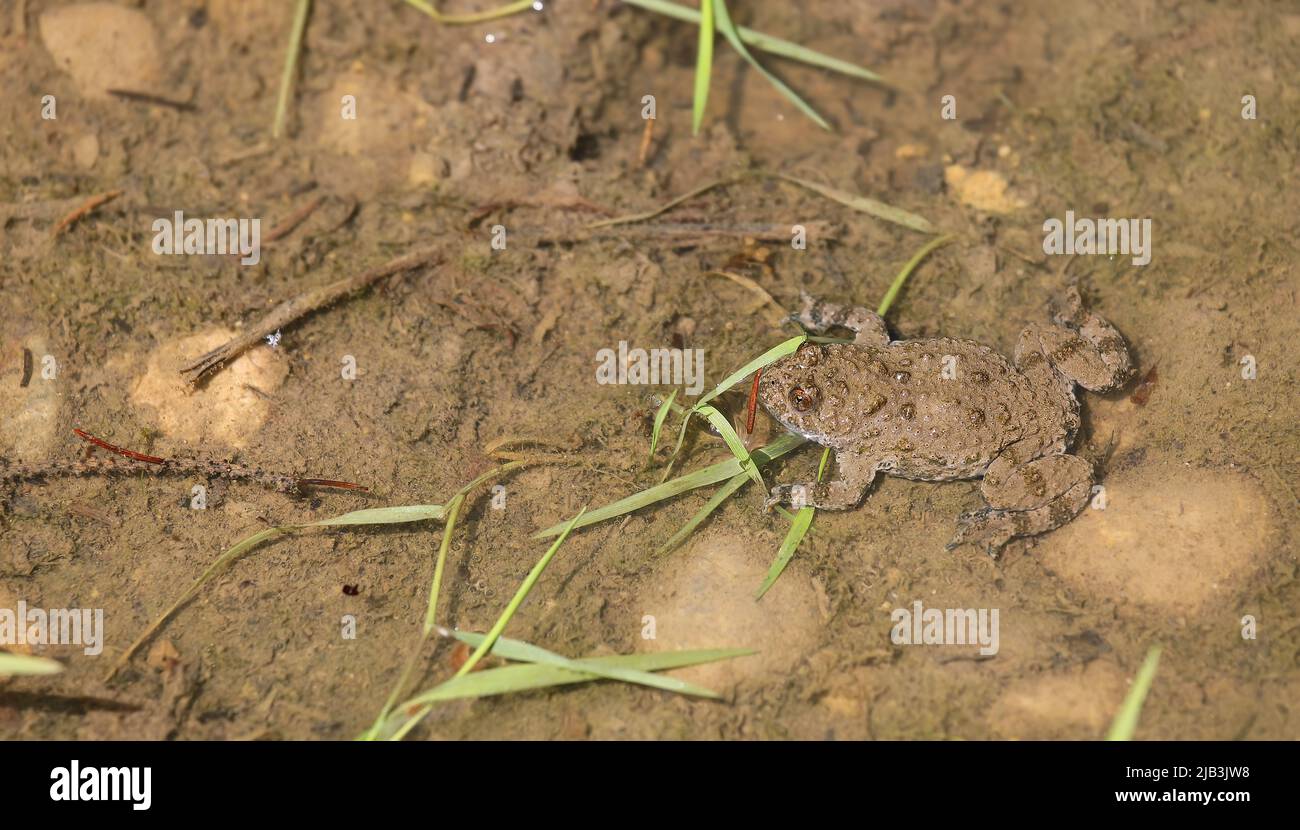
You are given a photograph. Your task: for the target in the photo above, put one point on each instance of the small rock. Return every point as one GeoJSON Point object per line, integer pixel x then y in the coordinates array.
{"type": "Point", "coordinates": [103, 46]}
{"type": "Point", "coordinates": [984, 190]}
{"type": "Point", "coordinates": [225, 410]}
{"type": "Point", "coordinates": [708, 602]}
{"type": "Point", "coordinates": [85, 151]}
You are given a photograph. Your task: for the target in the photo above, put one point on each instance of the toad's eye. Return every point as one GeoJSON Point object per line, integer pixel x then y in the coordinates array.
{"type": "Point", "coordinates": [803, 399]}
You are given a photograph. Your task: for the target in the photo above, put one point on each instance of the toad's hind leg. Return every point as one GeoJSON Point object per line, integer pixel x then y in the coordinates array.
{"type": "Point", "coordinates": [1026, 500]}
{"type": "Point", "coordinates": [1082, 346]}
{"type": "Point", "coordinates": [817, 315]}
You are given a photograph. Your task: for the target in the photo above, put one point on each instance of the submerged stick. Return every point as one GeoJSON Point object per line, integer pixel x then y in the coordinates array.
{"type": "Point", "coordinates": [154, 465]}
{"type": "Point", "coordinates": [300, 306]}
{"type": "Point", "coordinates": [84, 210]}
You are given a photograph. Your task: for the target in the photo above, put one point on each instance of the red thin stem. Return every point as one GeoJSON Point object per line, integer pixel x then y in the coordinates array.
{"type": "Point", "coordinates": [99, 442]}
{"type": "Point", "coordinates": [753, 403]}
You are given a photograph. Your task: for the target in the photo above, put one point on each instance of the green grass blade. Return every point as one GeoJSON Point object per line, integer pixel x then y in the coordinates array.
{"type": "Point", "coordinates": [821, 465]}
{"type": "Point", "coordinates": [728, 30]}
{"type": "Point", "coordinates": [489, 640]}
{"type": "Point", "coordinates": [737, 447]}
{"type": "Point", "coordinates": [660, 416]}
{"type": "Point", "coordinates": [25, 664]}
{"type": "Point", "coordinates": [529, 653]}
{"type": "Point", "coordinates": [532, 676]}
{"type": "Point", "coordinates": [897, 284]}
{"type": "Point", "coordinates": [377, 515]}
{"type": "Point", "coordinates": [520, 595]}
{"type": "Point", "coordinates": [381, 516]}
{"type": "Point", "coordinates": [767, 43]}
{"type": "Point", "coordinates": [290, 66]}
{"type": "Point", "coordinates": [703, 66]}
{"type": "Point", "coordinates": [772, 355]}
{"type": "Point", "coordinates": [724, 492]}
{"type": "Point", "coordinates": [682, 484]}
{"type": "Point", "coordinates": [712, 474]}
{"type": "Point", "coordinates": [476, 17]}
{"type": "Point", "coordinates": [865, 204]}
{"type": "Point", "coordinates": [1126, 720]}
{"type": "Point", "coordinates": [430, 615]}
{"type": "Point", "coordinates": [798, 527]}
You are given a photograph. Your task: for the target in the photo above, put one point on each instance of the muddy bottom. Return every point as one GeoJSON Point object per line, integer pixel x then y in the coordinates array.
{"type": "Point", "coordinates": [500, 144]}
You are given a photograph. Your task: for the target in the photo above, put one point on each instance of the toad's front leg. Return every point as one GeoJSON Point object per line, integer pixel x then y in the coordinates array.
{"type": "Point", "coordinates": [855, 475]}
{"type": "Point", "coordinates": [818, 316]}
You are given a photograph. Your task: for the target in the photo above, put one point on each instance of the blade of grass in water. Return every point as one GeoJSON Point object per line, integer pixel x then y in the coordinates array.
{"type": "Point", "coordinates": [703, 66]}
{"type": "Point", "coordinates": [864, 204]}
{"type": "Point", "coordinates": [665, 207]}
{"type": "Point", "coordinates": [772, 355]}
{"type": "Point", "coordinates": [290, 66]}
{"type": "Point", "coordinates": [728, 30]}
{"type": "Point", "coordinates": [520, 678]}
{"type": "Point", "coordinates": [724, 492]}
{"type": "Point", "coordinates": [503, 620]}
{"type": "Point", "coordinates": [528, 653]}
{"type": "Point", "coordinates": [430, 617]}
{"type": "Point", "coordinates": [737, 447]}
{"type": "Point", "coordinates": [26, 664]}
{"type": "Point", "coordinates": [377, 515]}
{"type": "Point", "coordinates": [1126, 720]}
{"type": "Point", "coordinates": [380, 516]}
{"type": "Point", "coordinates": [520, 595]}
{"type": "Point", "coordinates": [897, 284]}
{"type": "Point", "coordinates": [712, 474]}
{"type": "Point", "coordinates": [767, 43]}
{"type": "Point", "coordinates": [798, 529]}
{"type": "Point", "coordinates": [474, 17]}
{"type": "Point", "coordinates": [662, 414]}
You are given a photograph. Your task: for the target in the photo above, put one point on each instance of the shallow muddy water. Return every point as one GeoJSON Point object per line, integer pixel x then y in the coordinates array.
{"type": "Point", "coordinates": [411, 385]}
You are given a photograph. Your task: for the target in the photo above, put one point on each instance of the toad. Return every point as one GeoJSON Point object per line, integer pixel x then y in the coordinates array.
{"type": "Point", "coordinates": [944, 409]}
